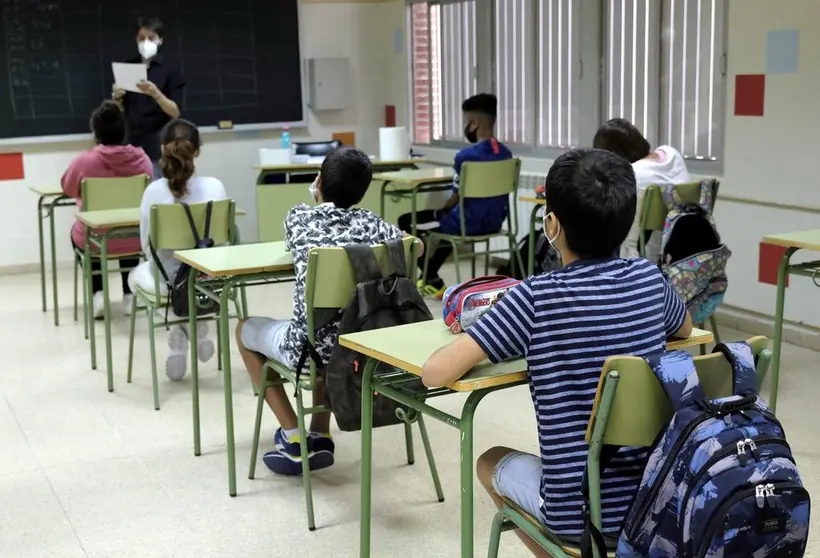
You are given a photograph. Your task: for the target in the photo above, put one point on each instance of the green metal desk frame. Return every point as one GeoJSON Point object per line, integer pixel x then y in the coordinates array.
{"type": "Point", "coordinates": [46, 203]}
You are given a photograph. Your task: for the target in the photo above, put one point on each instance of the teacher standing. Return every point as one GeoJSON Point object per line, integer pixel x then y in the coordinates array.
{"type": "Point", "coordinates": [160, 97]}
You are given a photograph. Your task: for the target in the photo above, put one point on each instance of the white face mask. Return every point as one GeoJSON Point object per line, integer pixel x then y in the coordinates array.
{"type": "Point", "coordinates": [313, 188]}
{"type": "Point", "coordinates": [551, 240]}
{"type": "Point", "coordinates": [148, 49]}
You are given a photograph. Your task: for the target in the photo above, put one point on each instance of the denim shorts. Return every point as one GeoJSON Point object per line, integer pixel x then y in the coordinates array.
{"type": "Point", "coordinates": [266, 336]}
{"type": "Point", "coordinates": [517, 476]}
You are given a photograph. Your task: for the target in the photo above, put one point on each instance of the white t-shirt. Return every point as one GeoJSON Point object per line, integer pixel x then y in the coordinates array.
{"type": "Point", "coordinates": [667, 167]}
{"type": "Point", "coordinates": [201, 189]}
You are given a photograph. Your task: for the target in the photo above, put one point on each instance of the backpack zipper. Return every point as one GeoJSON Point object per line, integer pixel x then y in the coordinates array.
{"type": "Point", "coordinates": [719, 456]}
{"type": "Point", "coordinates": [761, 497]}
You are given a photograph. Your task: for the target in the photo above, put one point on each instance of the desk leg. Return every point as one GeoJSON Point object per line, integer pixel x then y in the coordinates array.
{"type": "Point", "coordinates": [531, 243]}
{"type": "Point", "coordinates": [224, 334]}
{"type": "Point", "coordinates": [367, 457]}
{"type": "Point", "coordinates": [89, 298]}
{"type": "Point", "coordinates": [109, 360]}
{"type": "Point", "coordinates": [467, 500]}
{"type": "Point", "coordinates": [413, 213]}
{"type": "Point", "coordinates": [381, 197]}
{"type": "Point", "coordinates": [782, 275]}
{"type": "Point", "coordinates": [53, 264]}
{"type": "Point", "coordinates": [42, 252]}
{"type": "Point", "coordinates": [192, 342]}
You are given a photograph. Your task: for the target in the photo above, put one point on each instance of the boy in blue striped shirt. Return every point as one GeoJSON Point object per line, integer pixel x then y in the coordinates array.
{"type": "Point", "coordinates": [566, 323]}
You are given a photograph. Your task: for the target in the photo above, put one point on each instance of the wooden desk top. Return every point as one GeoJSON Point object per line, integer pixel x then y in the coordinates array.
{"type": "Point", "coordinates": [120, 218]}
{"type": "Point", "coordinates": [532, 199]}
{"type": "Point", "coordinates": [305, 167]}
{"type": "Point", "coordinates": [244, 259]}
{"type": "Point", "coordinates": [805, 240]}
{"type": "Point", "coordinates": [47, 191]}
{"type": "Point", "coordinates": [417, 177]}
{"type": "Point", "coordinates": [408, 347]}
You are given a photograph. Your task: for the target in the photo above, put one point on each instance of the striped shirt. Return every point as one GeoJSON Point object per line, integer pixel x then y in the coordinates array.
{"type": "Point", "coordinates": [567, 323]}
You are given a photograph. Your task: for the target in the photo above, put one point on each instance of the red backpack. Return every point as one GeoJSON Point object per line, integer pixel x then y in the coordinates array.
{"type": "Point", "coordinates": [466, 302]}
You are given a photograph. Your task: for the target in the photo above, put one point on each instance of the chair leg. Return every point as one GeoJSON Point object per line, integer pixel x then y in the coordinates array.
{"type": "Point", "coordinates": [133, 323]}
{"type": "Point", "coordinates": [472, 262]}
{"type": "Point", "coordinates": [487, 260]}
{"type": "Point", "coordinates": [219, 352]}
{"type": "Point", "coordinates": [408, 438]}
{"type": "Point", "coordinates": [303, 439]}
{"type": "Point", "coordinates": [153, 350]}
{"type": "Point", "coordinates": [431, 460]}
{"type": "Point", "coordinates": [715, 333]}
{"type": "Point", "coordinates": [495, 534]}
{"type": "Point", "coordinates": [244, 299]}
{"type": "Point", "coordinates": [457, 263]}
{"type": "Point", "coordinates": [257, 426]}
{"type": "Point", "coordinates": [76, 287]}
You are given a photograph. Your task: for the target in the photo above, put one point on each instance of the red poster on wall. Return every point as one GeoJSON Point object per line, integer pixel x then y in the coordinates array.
{"type": "Point", "coordinates": [11, 166]}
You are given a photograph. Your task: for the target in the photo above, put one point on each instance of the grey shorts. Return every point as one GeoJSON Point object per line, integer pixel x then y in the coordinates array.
{"type": "Point", "coordinates": [517, 476]}
{"type": "Point", "coordinates": [266, 336]}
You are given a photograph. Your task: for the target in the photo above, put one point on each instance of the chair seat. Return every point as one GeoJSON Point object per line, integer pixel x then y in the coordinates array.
{"type": "Point", "coordinates": [151, 297]}
{"type": "Point", "coordinates": [570, 548]}
{"type": "Point", "coordinates": [471, 238]}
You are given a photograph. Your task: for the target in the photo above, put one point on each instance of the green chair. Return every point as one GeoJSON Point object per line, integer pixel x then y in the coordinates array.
{"type": "Point", "coordinates": [653, 218]}
{"type": "Point", "coordinates": [170, 230]}
{"type": "Point", "coordinates": [483, 180]}
{"type": "Point", "coordinates": [329, 287]}
{"type": "Point", "coordinates": [617, 421]}
{"type": "Point", "coordinates": [100, 194]}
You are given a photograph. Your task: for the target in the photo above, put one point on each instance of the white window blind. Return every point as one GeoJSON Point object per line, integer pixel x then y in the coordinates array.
{"type": "Point", "coordinates": [692, 80]}
{"type": "Point", "coordinates": [664, 71]}
{"type": "Point", "coordinates": [558, 66]}
{"type": "Point", "coordinates": [515, 39]}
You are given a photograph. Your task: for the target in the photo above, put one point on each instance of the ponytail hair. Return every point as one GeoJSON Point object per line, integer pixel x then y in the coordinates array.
{"type": "Point", "coordinates": [180, 146]}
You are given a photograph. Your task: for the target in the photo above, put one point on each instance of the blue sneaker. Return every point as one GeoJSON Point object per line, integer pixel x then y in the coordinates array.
{"type": "Point", "coordinates": [286, 459]}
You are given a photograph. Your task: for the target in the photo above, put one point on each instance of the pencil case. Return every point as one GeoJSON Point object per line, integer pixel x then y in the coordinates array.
{"type": "Point", "coordinates": [466, 302]}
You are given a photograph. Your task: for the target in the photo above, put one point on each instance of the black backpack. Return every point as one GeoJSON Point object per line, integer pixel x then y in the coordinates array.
{"type": "Point", "coordinates": [378, 302]}
{"type": "Point", "coordinates": [178, 288]}
{"type": "Point", "coordinates": [546, 258]}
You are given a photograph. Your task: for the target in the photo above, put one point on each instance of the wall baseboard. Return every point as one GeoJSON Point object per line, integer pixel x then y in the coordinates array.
{"type": "Point", "coordinates": [756, 323]}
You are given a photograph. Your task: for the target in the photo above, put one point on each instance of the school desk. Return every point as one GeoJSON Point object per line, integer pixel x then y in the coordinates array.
{"type": "Point", "coordinates": [273, 201]}
{"type": "Point", "coordinates": [100, 227]}
{"type": "Point", "coordinates": [539, 203]}
{"type": "Point", "coordinates": [228, 268]}
{"type": "Point", "coordinates": [792, 242]}
{"type": "Point", "coordinates": [48, 198]}
{"type": "Point", "coordinates": [406, 348]}
{"type": "Point", "coordinates": [411, 183]}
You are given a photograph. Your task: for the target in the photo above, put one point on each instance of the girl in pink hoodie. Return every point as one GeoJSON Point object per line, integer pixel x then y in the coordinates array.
{"type": "Point", "coordinates": [110, 158]}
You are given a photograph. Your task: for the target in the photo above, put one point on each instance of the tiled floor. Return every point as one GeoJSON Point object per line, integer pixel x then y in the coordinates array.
{"type": "Point", "coordinates": [84, 472]}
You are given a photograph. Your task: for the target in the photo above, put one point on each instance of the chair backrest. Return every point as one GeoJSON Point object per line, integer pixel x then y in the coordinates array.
{"type": "Point", "coordinates": [330, 280]}
{"type": "Point", "coordinates": [489, 179]}
{"type": "Point", "coordinates": [170, 229]}
{"type": "Point", "coordinates": [100, 194]}
{"type": "Point", "coordinates": [316, 148]}
{"type": "Point", "coordinates": [640, 408]}
{"type": "Point", "coordinates": [653, 209]}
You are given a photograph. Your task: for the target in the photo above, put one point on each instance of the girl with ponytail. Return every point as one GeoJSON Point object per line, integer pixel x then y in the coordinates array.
{"type": "Point", "coordinates": [179, 183]}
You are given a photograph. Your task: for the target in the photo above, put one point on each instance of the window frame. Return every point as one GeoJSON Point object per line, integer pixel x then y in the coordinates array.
{"type": "Point", "coordinates": [590, 59]}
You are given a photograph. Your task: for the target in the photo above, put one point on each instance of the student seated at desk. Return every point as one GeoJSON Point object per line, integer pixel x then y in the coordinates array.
{"type": "Point", "coordinates": [110, 158]}
{"type": "Point", "coordinates": [481, 216]}
{"type": "Point", "coordinates": [664, 165]}
{"type": "Point", "coordinates": [180, 146]}
{"type": "Point", "coordinates": [566, 323]}
{"type": "Point", "coordinates": [345, 176]}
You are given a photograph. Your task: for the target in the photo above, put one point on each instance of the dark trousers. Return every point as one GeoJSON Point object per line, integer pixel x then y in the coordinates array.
{"type": "Point", "coordinates": [96, 266]}
{"type": "Point", "coordinates": [441, 254]}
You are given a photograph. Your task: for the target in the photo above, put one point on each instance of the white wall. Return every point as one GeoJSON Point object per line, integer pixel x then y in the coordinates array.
{"type": "Point", "coordinates": [362, 32]}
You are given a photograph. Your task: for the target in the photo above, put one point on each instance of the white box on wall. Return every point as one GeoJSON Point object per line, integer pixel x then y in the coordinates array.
{"type": "Point", "coordinates": [329, 83]}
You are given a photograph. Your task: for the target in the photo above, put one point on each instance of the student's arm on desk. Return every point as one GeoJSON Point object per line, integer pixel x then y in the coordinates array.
{"type": "Point", "coordinates": [450, 363]}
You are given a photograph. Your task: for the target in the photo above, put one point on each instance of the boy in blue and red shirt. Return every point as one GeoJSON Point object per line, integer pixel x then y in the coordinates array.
{"type": "Point", "coordinates": [481, 215]}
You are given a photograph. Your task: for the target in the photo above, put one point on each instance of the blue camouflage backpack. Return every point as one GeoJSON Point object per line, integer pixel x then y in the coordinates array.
{"type": "Point", "coordinates": [721, 481]}
{"type": "Point", "coordinates": [693, 258]}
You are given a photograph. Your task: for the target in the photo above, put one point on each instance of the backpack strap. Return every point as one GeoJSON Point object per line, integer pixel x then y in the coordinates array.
{"type": "Point", "coordinates": [209, 208]}
{"type": "Point", "coordinates": [191, 223]}
{"type": "Point", "coordinates": [706, 193]}
{"type": "Point", "coordinates": [364, 263]}
{"type": "Point", "coordinates": [744, 373]}
{"type": "Point", "coordinates": [308, 350]}
{"type": "Point", "coordinates": [677, 374]}
{"type": "Point", "coordinates": [395, 248]}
